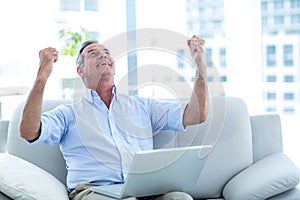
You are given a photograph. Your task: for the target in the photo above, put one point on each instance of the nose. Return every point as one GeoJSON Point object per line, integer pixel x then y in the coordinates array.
{"type": "Point", "coordinates": [103, 54]}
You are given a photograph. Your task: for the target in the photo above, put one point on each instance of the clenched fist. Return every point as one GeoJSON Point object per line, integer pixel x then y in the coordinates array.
{"type": "Point", "coordinates": [48, 56]}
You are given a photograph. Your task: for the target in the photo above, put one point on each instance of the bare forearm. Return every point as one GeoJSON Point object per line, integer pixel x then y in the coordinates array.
{"type": "Point", "coordinates": [31, 119]}
{"type": "Point", "coordinates": [197, 108]}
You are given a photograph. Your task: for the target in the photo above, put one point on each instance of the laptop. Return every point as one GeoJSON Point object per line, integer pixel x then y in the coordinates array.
{"type": "Point", "coordinates": [159, 171]}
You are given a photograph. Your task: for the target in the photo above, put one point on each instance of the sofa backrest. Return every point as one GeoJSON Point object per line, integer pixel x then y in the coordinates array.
{"type": "Point", "coordinates": [227, 128]}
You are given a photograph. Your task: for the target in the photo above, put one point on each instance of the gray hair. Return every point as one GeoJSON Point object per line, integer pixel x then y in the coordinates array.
{"type": "Point", "coordinates": [82, 47]}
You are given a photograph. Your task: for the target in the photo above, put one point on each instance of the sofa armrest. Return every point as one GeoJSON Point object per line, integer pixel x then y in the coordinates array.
{"type": "Point", "coordinates": [3, 134]}
{"type": "Point", "coordinates": [20, 179]}
{"type": "Point", "coordinates": [288, 195]}
{"type": "Point", "coordinates": [268, 177]}
{"type": "Point", "coordinates": [266, 135]}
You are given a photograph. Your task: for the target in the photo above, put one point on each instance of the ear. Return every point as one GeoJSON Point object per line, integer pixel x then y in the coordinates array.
{"type": "Point", "coordinates": [80, 72]}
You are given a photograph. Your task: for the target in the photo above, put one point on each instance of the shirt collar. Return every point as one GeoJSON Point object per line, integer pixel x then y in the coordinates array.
{"type": "Point", "coordinates": [90, 94]}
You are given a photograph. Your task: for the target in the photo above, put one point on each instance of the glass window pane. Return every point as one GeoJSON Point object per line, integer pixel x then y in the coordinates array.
{"type": "Point", "coordinates": [271, 78]}
{"type": "Point", "coordinates": [271, 96]}
{"type": "Point", "coordinates": [222, 57]}
{"type": "Point", "coordinates": [180, 57]}
{"type": "Point", "coordinates": [288, 78]}
{"type": "Point", "coordinates": [288, 55]}
{"type": "Point", "coordinates": [271, 55]}
{"type": "Point", "coordinates": [278, 19]}
{"type": "Point", "coordinates": [70, 5]}
{"type": "Point", "coordinates": [288, 96]}
{"type": "Point", "coordinates": [278, 5]}
{"type": "Point", "coordinates": [91, 5]}
{"type": "Point", "coordinates": [295, 19]}
{"type": "Point", "coordinates": [264, 5]}
{"type": "Point", "coordinates": [295, 3]}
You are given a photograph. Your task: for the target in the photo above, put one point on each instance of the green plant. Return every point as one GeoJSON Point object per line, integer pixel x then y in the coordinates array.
{"type": "Point", "coordinates": [72, 40]}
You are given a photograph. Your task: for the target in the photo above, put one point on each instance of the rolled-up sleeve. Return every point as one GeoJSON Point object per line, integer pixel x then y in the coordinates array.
{"type": "Point", "coordinates": [167, 115]}
{"type": "Point", "coordinates": [53, 126]}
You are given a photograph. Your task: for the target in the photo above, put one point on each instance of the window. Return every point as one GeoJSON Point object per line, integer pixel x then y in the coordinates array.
{"type": "Point", "coordinates": [295, 3]}
{"type": "Point", "coordinates": [278, 5]}
{"type": "Point", "coordinates": [271, 55]}
{"type": "Point", "coordinates": [180, 58]}
{"type": "Point", "coordinates": [75, 5]}
{"type": "Point", "coordinates": [271, 78]}
{"type": "Point", "coordinates": [222, 57]}
{"type": "Point", "coordinates": [209, 57]}
{"type": "Point", "coordinates": [70, 5]}
{"type": "Point", "coordinates": [203, 25]}
{"type": "Point", "coordinates": [289, 110]}
{"type": "Point", "coordinates": [181, 79]}
{"type": "Point", "coordinates": [288, 55]}
{"type": "Point", "coordinates": [91, 5]}
{"type": "Point", "coordinates": [210, 78]}
{"type": "Point", "coordinates": [217, 23]}
{"type": "Point", "coordinates": [223, 78]}
{"type": "Point", "coordinates": [217, 10]}
{"type": "Point", "coordinates": [288, 78]}
{"type": "Point", "coordinates": [201, 10]}
{"type": "Point", "coordinates": [271, 109]}
{"type": "Point", "coordinates": [264, 21]}
{"type": "Point", "coordinates": [94, 34]}
{"type": "Point", "coordinates": [295, 19]}
{"type": "Point", "coordinates": [190, 25]}
{"type": "Point", "coordinates": [288, 96]}
{"type": "Point", "coordinates": [278, 20]}
{"type": "Point", "coordinates": [271, 95]}
{"type": "Point", "coordinates": [264, 6]}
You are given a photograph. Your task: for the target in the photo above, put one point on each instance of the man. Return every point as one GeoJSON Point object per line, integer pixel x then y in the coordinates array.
{"type": "Point", "coordinates": [99, 132]}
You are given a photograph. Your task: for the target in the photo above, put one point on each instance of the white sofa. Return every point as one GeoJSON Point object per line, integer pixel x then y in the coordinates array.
{"type": "Point", "coordinates": [246, 163]}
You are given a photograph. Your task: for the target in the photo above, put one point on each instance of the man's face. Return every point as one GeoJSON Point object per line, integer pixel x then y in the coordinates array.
{"type": "Point", "coordinates": [97, 66]}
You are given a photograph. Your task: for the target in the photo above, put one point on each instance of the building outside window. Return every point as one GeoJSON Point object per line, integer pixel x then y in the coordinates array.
{"type": "Point", "coordinates": [222, 52]}
{"type": "Point", "coordinates": [295, 3]}
{"type": "Point", "coordinates": [278, 20]}
{"type": "Point", "coordinates": [289, 96]}
{"type": "Point", "coordinates": [278, 5]}
{"type": "Point", "coordinates": [78, 5]}
{"type": "Point", "coordinates": [271, 78]}
{"type": "Point", "coordinates": [91, 5]}
{"type": "Point", "coordinates": [264, 5]}
{"type": "Point", "coordinates": [209, 53]}
{"type": "Point", "coordinates": [288, 78]}
{"type": "Point", "coordinates": [271, 56]}
{"type": "Point", "coordinates": [271, 96]}
{"type": "Point", "coordinates": [288, 55]}
{"type": "Point", "coordinates": [180, 58]}
{"type": "Point", "coordinates": [70, 5]}
{"type": "Point", "coordinates": [295, 19]}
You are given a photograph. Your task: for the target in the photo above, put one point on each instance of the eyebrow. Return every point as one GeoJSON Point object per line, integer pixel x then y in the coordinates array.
{"type": "Point", "coordinates": [91, 50]}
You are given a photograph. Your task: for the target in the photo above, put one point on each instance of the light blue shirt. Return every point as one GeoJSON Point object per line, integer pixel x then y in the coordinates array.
{"type": "Point", "coordinates": [98, 143]}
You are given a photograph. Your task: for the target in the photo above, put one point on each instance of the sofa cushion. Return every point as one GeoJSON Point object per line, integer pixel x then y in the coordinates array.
{"type": "Point", "coordinates": [266, 128]}
{"type": "Point", "coordinates": [22, 180]}
{"type": "Point", "coordinates": [228, 129]}
{"type": "Point", "coordinates": [270, 176]}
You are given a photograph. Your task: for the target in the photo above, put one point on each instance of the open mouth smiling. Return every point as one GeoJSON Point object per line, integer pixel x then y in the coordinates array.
{"type": "Point", "coordinates": [104, 63]}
